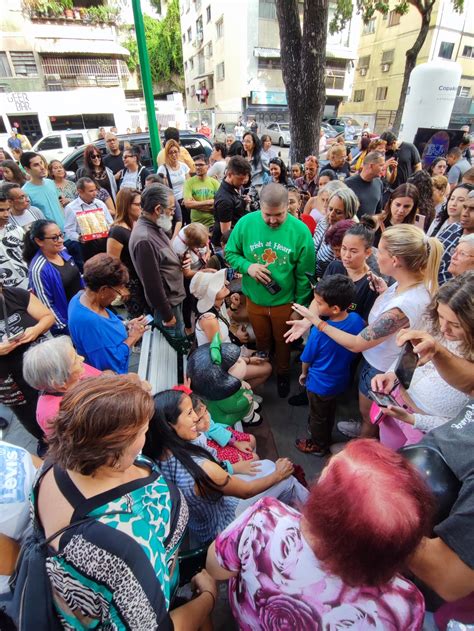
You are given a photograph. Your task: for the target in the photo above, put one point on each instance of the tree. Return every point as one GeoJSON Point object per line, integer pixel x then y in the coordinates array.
{"type": "Point", "coordinates": [303, 62]}
{"type": "Point", "coordinates": [367, 8]}
{"type": "Point", "coordinates": [164, 48]}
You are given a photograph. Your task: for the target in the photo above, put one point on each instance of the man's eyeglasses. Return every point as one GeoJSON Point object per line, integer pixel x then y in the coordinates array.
{"type": "Point", "coordinates": [55, 237]}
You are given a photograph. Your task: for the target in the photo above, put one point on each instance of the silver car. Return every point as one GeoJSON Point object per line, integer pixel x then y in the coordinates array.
{"type": "Point", "coordinates": [279, 133]}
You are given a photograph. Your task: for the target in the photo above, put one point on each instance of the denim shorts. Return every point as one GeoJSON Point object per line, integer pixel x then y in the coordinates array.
{"type": "Point", "coordinates": [367, 372]}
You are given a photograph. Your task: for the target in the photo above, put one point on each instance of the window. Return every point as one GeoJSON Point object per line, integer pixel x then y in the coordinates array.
{"type": "Point", "coordinates": [220, 72]}
{"type": "Point", "coordinates": [265, 63]}
{"type": "Point", "coordinates": [85, 71]}
{"type": "Point", "coordinates": [4, 66]}
{"type": "Point", "coordinates": [220, 28]}
{"type": "Point", "coordinates": [24, 64]}
{"type": "Point", "coordinates": [464, 91]}
{"type": "Point", "coordinates": [210, 82]}
{"type": "Point", "coordinates": [199, 34]}
{"type": "Point", "coordinates": [267, 9]}
{"type": "Point", "coordinates": [381, 94]}
{"type": "Point", "coordinates": [185, 65]}
{"type": "Point", "coordinates": [208, 14]}
{"type": "Point", "coordinates": [74, 140]}
{"type": "Point", "coordinates": [369, 27]}
{"type": "Point", "coordinates": [190, 34]}
{"type": "Point", "coordinates": [191, 63]}
{"type": "Point", "coordinates": [388, 56]}
{"type": "Point", "coordinates": [364, 62]}
{"type": "Point", "coordinates": [468, 51]}
{"type": "Point", "coordinates": [193, 91]}
{"type": "Point", "coordinates": [50, 142]}
{"type": "Point", "coordinates": [446, 50]}
{"type": "Point", "coordinates": [394, 18]}
{"type": "Point", "coordinates": [208, 51]}
{"type": "Point", "coordinates": [359, 96]}
{"type": "Point", "coordinates": [184, 38]}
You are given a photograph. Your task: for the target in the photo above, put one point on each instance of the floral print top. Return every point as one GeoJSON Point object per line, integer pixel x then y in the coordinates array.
{"type": "Point", "coordinates": [282, 586]}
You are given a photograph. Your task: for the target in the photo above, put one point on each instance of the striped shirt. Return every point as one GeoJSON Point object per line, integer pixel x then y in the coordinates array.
{"type": "Point", "coordinates": [27, 217]}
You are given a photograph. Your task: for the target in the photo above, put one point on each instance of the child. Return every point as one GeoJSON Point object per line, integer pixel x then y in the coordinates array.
{"type": "Point", "coordinates": [326, 369]}
{"type": "Point", "coordinates": [230, 445]}
{"type": "Point", "coordinates": [192, 241]}
{"type": "Point", "coordinates": [294, 208]}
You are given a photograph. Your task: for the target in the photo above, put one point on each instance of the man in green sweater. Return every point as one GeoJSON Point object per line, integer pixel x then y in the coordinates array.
{"type": "Point", "coordinates": [272, 250]}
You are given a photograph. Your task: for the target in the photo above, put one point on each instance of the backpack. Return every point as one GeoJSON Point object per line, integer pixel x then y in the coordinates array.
{"type": "Point", "coordinates": [32, 605]}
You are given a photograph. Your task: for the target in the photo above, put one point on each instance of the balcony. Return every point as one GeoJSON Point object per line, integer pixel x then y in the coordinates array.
{"type": "Point", "coordinates": [64, 11]}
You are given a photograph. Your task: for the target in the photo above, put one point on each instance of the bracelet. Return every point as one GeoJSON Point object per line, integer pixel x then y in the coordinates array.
{"type": "Point", "coordinates": [206, 591]}
{"type": "Point", "coordinates": [321, 325]}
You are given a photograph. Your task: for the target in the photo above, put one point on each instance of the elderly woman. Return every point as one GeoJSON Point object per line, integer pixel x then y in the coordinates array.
{"type": "Point", "coordinates": [97, 332]}
{"type": "Point", "coordinates": [311, 569]}
{"type": "Point", "coordinates": [462, 259]}
{"type": "Point", "coordinates": [317, 206]}
{"type": "Point", "coordinates": [117, 565]}
{"type": "Point", "coordinates": [342, 204]}
{"type": "Point", "coordinates": [66, 189]}
{"type": "Point", "coordinates": [53, 368]}
{"type": "Point", "coordinates": [211, 290]}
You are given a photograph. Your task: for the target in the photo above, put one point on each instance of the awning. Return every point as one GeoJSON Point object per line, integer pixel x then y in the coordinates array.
{"type": "Point", "coordinates": [203, 76]}
{"type": "Point", "coordinates": [62, 46]}
{"type": "Point", "coordinates": [267, 53]}
{"type": "Point", "coordinates": [341, 54]}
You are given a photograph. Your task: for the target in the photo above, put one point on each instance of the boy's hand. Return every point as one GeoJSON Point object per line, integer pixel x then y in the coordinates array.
{"type": "Point", "coordinates": [302, 380]}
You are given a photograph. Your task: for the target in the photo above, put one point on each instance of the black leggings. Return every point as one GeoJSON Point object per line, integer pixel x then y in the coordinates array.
{"type": "Point", "coordinates": [26, 413]}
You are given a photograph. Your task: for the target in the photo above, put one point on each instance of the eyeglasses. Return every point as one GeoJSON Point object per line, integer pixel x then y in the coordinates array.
{"type": "Point", "coordinates": [55, 237]}
{"type": "Point", "coordinates": [118, 292]}
{"type": "Point", "coordinates": [463, 255]}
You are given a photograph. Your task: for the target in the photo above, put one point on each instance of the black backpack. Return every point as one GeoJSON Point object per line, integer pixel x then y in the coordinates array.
{"type": "Point", "coordinates": [32, 604]}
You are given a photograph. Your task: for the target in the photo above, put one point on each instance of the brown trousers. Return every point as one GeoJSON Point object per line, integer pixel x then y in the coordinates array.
{"type": "Point", "coordinates": [269, 325]}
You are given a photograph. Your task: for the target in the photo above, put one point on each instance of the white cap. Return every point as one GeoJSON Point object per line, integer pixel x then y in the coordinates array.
{"type": "Point", "coordinates": [205, 286]}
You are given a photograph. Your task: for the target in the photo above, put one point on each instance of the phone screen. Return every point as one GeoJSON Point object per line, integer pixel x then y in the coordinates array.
{"type": "Point", "coordinates": [381, 399]}
{"type": "Point", "coordinates": [406, 365]}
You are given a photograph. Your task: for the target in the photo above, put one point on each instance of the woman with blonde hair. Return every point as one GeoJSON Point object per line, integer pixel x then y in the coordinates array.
{"type": "Point", "coordinates": [128, 211]}
{"type": "Point", "coordinates": [410, 257]}
{"type": "Point", "coordinates": [175, 173]}
{"type": "Point", "coordinates": [342, 204]}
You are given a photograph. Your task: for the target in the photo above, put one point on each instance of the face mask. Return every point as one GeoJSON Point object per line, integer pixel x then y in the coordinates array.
{"type": "Point", "coordinates": [164, 222]}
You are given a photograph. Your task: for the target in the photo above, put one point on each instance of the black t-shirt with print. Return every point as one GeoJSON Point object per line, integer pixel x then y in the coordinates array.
{"type": "Point", "coordinates": [365, 296]}
{"type": "Point", "coordinates": [16, 303]}
{"type": "Point", "coordinates": [407, 156]}
{"type": "Point", "coordinates": [455, 440]}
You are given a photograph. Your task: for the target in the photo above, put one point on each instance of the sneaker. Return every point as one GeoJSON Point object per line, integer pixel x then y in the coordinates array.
{"type": "Point", "coordinates": [283, 386]}
{"type": "Point", "coordinates": [350, 428]}
{"type": "Point", "coordinates": [307, 446]}
{"type": "Point", "coordinates": [299, 399]}
{"type": "Point", "coordinates": [252, 420]}
{"type": "Point", "coordinates": [257, 398]}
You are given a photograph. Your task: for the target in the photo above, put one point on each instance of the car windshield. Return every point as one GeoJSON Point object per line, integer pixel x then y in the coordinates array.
{"type": "Point", "coordinates": [285, 127]}
{"type": "Point", "coordinates": [354, 122]}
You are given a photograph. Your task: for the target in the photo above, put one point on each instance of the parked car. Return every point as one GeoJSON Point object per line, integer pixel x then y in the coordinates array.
{"type": "Point", "coordinates": [195, 143]}
{"type": "Point", "coordinates": [329, 130]}
{"type": "Point", "coordinates": [59, 144]}
{"type": "Point", "coordinates": [339, 124]}
{"type": "Point", "coordinates": [279, 133]}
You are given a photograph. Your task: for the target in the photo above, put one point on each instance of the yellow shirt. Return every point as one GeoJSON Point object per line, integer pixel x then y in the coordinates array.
{"type": "Point", "coordinates": [184, 156]}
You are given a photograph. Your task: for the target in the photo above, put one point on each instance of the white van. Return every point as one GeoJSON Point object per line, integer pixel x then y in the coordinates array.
{"type": "Point", "coordinates": [59, 144]}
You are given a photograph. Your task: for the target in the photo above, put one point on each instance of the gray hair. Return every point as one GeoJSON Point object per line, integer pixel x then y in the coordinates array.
{"type": "Point", "coordinates": [48, 365]}
{"type": "Point", "coordinates": [274, 195]}
{"type": "Point", "coordinates": [155, 195]}
{"type": "Point", "coordinates": [332, 187]}
{"type": "Point", "coordinates": [349, 199]}
{"type": "Point", "coordinates": [467, 238]}
{"type": "Point", "coordinates": [373, 157]}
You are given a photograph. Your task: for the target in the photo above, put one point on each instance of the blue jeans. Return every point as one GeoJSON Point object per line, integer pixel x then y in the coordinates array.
{"type": "Point", "coordinates": [177, 330]}
{"type": "Point", "coordinates": [367, 372]}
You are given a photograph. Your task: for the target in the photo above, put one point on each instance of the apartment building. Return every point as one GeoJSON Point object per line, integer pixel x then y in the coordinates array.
{"type": "Point", "coordinates": [381, 61]}
{"type": "Point", "coordinates": [231, 52]}
{"type": "Point", "coordinates": [55, 64]}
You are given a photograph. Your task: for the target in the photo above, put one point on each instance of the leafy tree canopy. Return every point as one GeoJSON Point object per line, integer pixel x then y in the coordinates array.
{"type": "Point", "coordinates": [164, 46]}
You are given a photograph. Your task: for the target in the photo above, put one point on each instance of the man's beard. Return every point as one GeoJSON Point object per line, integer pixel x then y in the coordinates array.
{"type": "Point", "coordinates": [164, 222]}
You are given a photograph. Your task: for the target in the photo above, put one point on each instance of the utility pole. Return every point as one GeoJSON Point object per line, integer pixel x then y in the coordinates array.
{"type": "Point", "coordinates": [155, 143]}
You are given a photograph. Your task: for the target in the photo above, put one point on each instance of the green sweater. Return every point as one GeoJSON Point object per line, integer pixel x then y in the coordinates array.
{"type": "Point", "coordinates": [288, 249]}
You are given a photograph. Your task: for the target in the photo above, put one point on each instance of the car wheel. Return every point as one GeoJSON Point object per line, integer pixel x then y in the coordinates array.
{"type": "Point", "coordinates": [281, 142]}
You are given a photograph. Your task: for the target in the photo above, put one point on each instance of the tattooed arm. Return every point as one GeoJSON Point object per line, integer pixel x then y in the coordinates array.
{"type": "Point", "coordinates": [387, 324]}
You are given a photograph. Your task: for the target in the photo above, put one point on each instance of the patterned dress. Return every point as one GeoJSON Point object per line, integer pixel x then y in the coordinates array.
{"type": "Point", "coordinates": [280, 584]}
{"type": "Point", "coordinates": [114, 572]}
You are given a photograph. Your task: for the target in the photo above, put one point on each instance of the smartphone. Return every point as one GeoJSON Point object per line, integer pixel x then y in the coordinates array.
{"type": "Point", "coordinates": [420, 221]}
{"type": "Point", "coordinates": [14, 336]}
{"type": "Point", "coordinates": [229, 273]}
{"type": "Point", "coordinates": [406, 364]}
{"type": "Point", "coordinates": [382, 400]}
{"type": "Point", "coordinates": [272, 287]}
{"type": "Point", "coordinates": [149, 319]}
{"type": "Point", "coordinates": [261, 355]}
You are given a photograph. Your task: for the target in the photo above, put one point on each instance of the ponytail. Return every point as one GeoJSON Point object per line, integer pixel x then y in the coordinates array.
{"type": "Point", "coordinates": [35, 231]}
{"type": "Point", "coordinates": [435, 254]}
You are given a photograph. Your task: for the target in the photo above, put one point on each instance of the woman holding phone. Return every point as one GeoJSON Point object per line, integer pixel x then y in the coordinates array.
{"type": "Point", "coordinates": [430, 401]}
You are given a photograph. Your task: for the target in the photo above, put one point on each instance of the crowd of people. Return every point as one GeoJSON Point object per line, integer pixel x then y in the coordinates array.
{"type": "Point", "coordinates": [357, 269]}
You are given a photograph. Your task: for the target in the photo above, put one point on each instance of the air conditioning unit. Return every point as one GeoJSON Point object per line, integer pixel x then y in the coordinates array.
{"type": "Point", "coordinates": [385, 67]}
{"type": "Point", "coordinates": [363, 72]}
{"type": "Point", "coordinates": [52, 78]}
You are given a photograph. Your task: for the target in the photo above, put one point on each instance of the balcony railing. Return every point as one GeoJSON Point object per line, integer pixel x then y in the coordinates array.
{"type": "Point", "coordinates": [62, 10]}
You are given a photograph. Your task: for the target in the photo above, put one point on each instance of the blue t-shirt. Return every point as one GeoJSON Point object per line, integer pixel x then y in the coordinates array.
{"type": "Point", "coordinates": [99, 339]}
{"type": "Point", "coordinates": [330, 363]}
{"type": "Point", "coordinates": [45, 197]}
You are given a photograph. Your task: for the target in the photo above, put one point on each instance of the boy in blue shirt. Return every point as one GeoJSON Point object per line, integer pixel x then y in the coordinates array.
{"type": "Point", "coordinates": [326, 366]}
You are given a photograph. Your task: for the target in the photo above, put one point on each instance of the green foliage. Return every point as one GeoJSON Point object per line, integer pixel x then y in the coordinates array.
{"type": "Point", "coordinates": [367, 9]}
{"type": "Point", "coordinates": [164, 46]}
